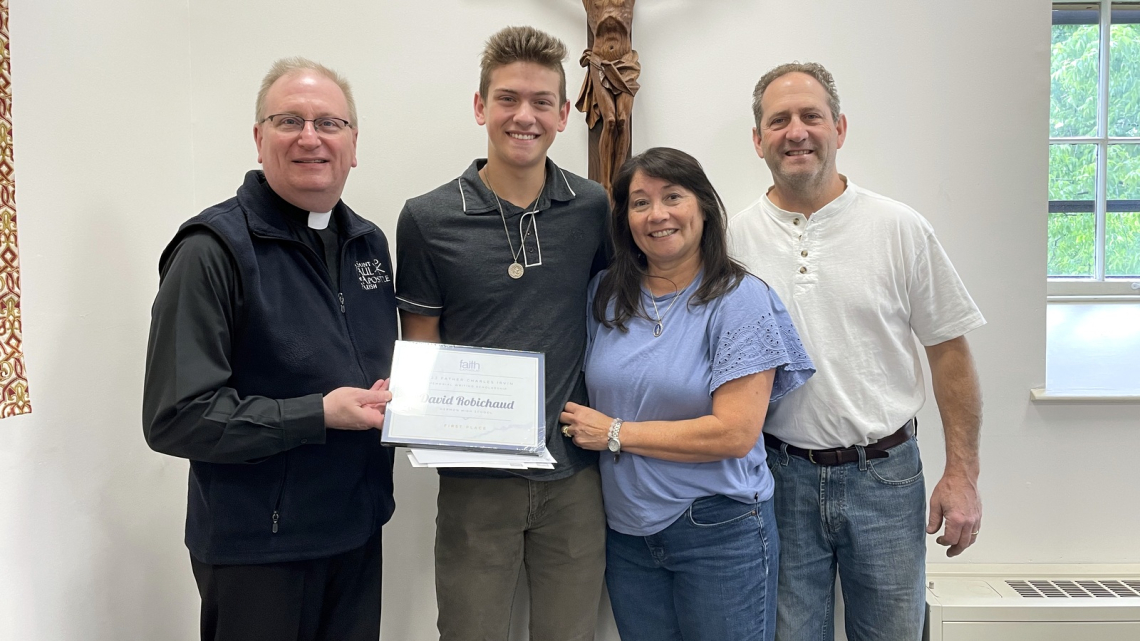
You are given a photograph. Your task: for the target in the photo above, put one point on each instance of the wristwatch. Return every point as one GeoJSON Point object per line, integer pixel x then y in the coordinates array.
{"type": "Point", "coordinates": [614, 443]}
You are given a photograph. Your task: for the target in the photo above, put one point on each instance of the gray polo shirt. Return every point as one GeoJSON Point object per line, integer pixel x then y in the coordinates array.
{"type": "Point", "coordinates": [452, 257]}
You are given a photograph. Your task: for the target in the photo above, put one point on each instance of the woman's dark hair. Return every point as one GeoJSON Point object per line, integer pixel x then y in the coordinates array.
{"type": "Point", "coordinates": [622, 283]}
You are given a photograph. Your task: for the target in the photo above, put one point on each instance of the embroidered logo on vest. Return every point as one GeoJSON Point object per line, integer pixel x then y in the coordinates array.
{"type": "Point", "coordinates": [372, 275]}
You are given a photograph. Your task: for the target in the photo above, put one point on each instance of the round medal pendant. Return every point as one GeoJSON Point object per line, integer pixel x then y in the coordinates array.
{"type": "Point", "coordinates": [515, 271]}
{"type": "Point", "coordinates": [657, 329]}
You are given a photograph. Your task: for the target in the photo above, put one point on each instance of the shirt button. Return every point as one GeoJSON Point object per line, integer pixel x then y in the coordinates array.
{"type": "Point", "coordinates": [803, 270]}
{"type": "Point", "coordinates": [795, 221]}
{"type": "Point", "coordinates": [804, 253]}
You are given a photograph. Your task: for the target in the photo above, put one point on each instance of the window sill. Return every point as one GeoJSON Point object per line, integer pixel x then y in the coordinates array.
{"type": "Point", "coordinates": [1041, 395]}
{"type": "Point", "coordinates": [1123, 288]}
{"type": "Point", "coordinates": [1093, 298]}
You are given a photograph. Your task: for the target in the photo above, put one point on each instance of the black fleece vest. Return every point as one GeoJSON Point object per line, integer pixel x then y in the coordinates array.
{"type": "Point", "coordinates": [299, 334]}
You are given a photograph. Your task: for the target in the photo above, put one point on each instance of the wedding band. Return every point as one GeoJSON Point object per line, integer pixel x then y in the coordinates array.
{"type": "Point", "coordinates": [566, 431]}
{"type": "Point", "coordinates": [976, 532]}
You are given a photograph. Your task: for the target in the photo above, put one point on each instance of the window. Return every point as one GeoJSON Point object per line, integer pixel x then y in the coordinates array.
{"type": "Point", "coordinates": [1092, 335]}
{"type": "Point", "coordinates": [1094, 149]}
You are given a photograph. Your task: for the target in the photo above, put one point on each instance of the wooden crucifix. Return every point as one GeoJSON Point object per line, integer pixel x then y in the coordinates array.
{"type": "Point", "coordinates": [611, 82]}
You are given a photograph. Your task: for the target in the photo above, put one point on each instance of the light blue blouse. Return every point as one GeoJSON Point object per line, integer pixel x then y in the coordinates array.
{"type": "Point", "coordinates": [639, 377]}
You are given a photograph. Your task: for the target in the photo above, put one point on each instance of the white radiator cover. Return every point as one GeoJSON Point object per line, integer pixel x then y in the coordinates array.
{"type": "Point", "coordinates": [1032, 602]}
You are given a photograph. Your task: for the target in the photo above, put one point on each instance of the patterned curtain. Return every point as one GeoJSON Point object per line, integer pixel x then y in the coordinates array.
{"type": "Point", "coordinates": [13, 382]}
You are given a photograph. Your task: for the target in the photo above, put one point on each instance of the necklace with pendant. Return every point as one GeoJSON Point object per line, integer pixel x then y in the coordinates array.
{"type": "Point", "coordinates": [660, 326]}
{"type": "Point", "coordinates": [515, 270]}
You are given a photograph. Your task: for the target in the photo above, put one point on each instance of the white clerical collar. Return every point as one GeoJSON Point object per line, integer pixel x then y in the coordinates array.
{"type": "Point", "coordinates": [319, 220]}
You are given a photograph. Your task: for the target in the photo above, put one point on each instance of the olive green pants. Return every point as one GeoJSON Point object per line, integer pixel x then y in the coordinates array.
{"type": "Point", "coordinates": [490, 530]}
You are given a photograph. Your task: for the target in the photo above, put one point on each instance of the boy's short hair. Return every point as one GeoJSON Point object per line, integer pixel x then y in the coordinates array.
{"type": "Point", "coordinates": [522, 44]}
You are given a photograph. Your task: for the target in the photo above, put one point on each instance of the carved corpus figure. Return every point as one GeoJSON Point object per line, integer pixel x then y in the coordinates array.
{"type": "Point", "coordinates": [611, 82]}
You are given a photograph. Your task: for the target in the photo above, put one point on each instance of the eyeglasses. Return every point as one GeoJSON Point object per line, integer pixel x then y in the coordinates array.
{"type": "Point", "coordinates": [292, 124]}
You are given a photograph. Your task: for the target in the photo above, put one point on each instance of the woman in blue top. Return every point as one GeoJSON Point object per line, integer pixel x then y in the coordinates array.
{"type": "Point", "coordinates": [686, 351]}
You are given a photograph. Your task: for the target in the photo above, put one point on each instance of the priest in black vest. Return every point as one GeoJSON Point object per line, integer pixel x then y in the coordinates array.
{"type": "Point", "coordinates": [270, 345]}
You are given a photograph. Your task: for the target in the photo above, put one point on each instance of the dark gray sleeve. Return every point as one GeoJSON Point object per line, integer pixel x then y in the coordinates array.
{"type": "Point", "coordinates": [188, 410]}
{"type": "Point", "coordinates": [417, 288]}
{"type": "Point", "coordinates": [605, 254]}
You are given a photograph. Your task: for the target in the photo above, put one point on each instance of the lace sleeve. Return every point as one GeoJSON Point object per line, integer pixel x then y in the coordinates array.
{"type": "Point", "coordinates": [768, 342]}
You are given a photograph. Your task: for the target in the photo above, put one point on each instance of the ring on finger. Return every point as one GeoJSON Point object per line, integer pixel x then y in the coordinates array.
{"type": "Point", "coordinates": [566, 431]}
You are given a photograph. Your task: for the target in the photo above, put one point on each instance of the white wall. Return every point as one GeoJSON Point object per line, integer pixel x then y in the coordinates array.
{"type": "Point", "coordinates": [1092, 348]}
{"type": "Point", "coordinates": [131, 115]}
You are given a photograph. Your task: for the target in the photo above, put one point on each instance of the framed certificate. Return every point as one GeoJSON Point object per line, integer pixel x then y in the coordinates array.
{"type": "Point", "coordinates": [466, 398]}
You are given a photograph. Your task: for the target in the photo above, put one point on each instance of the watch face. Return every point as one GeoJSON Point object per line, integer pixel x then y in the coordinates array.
{"type": "Point", "coordinates": [613, 445]}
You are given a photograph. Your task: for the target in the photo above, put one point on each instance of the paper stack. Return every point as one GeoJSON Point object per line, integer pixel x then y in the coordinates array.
{"type": "Point", "coordinates": [420, 457]}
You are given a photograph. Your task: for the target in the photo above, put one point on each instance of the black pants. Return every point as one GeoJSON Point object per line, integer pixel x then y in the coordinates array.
{"type": "Point", "coordinates": [335, 598]}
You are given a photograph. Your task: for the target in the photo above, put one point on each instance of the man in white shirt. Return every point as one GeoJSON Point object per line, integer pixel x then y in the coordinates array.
{"type": "Point", "coordinates": [862, 276]}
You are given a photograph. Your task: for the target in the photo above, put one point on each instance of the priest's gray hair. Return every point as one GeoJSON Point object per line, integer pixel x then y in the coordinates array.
{"type": "Point", "coordinates": [295, 64]}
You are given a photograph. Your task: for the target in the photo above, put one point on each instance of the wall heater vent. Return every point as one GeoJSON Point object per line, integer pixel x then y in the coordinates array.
{"type": "Point", "coordinates": [1056, 588]}
{"type": "Point", "coordinates": [1033, 603]}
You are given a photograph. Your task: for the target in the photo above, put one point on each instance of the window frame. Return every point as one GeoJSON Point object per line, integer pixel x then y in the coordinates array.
{"type": "Point", "coordinates": [1099, 286]}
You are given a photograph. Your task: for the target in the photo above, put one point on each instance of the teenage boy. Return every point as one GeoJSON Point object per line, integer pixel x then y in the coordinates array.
{"type": "Point", "coordinates": [501, 257]}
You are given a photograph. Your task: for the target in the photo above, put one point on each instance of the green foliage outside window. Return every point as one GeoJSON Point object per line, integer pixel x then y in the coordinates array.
{"type": "Point", "coordinates": [1072, 236]}
{"type": "Point", "coordinates": [1122, 229]}
{"type": "Point", "coordinates": [1072, 168]}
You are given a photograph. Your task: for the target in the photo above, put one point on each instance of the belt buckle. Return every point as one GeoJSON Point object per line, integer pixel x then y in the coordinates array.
{"type": "Point", "coordinates": [811, 456]}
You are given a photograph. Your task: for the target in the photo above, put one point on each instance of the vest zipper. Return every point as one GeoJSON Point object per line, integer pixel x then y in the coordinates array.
{"type": "Point", "coordinates": [335, 287]}
{"type": "Point", "coordinates": [280, 493]}
{"type": "Point", "coordinates": [348, 330]}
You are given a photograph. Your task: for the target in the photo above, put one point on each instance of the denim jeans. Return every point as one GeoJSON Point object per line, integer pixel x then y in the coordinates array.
{"type": "Point", "coordinates": [869, 518]}
{"type": "Point", "coordinates": [710, 576]}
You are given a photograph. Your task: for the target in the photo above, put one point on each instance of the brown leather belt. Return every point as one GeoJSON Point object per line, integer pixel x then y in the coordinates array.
{"type": "Point", "coordinates": [841, 455]}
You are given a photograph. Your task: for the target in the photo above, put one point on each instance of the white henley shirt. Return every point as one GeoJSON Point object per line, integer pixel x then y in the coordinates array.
{"type": "Point", "coordinates": [861, 277]}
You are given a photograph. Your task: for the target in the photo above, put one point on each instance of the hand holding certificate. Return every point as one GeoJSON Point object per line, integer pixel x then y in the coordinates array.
{"type": "Point", "coordinates": [466, 398]}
